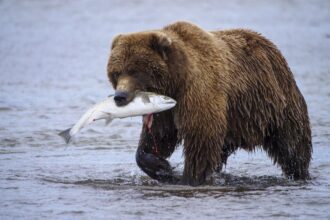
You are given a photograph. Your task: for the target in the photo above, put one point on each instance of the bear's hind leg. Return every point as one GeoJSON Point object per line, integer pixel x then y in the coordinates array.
{"type": "Point", "coordinates": [292, 151]}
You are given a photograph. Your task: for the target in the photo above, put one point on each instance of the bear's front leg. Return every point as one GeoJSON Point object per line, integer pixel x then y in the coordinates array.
{"type": "Point", "coordinates": [157, 142]}
{"type": "Point", "coordinates": [202, 158]}
{"type": "Point", "coordinates": [155, 166]}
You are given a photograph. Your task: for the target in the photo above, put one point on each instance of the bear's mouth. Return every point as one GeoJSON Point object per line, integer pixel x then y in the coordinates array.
{"type": "Point", "coordinates": [147, 120]}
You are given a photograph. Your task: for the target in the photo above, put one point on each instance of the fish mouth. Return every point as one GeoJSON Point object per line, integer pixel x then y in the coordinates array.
{"type": "Point", "coordinates": [147, 120]}
{"type": "Point", "coordinates": [170, 102]}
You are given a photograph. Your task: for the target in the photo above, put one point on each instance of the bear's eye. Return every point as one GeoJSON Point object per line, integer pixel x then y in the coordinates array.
{"type": "Point", "coordinates": [133, 73]}
{"type": "Point", "coordinates": [115, 76]}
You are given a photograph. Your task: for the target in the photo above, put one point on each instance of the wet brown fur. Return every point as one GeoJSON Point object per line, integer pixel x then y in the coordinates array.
{"type": "Point", "coordinates": [234, 90]}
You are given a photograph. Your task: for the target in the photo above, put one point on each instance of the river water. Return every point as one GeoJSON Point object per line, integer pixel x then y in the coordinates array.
{"type": "Point", "coordinates": [53, 57]}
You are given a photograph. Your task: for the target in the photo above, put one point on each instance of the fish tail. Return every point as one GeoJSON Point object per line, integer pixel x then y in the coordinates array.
{"type": "Point", "coordinates": [66, 135]}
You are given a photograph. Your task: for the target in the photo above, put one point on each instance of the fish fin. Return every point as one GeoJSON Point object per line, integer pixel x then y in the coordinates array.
{"type": "Point", "coordinates": [108, 121]}
{"type": "Point", "coordinates": [145, 98]}
{"type": "Point", "coordinates": [66, 135]}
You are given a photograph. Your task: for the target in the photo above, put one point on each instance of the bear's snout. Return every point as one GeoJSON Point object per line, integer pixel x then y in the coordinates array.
{"type": "Point", "coordinates": [121, 98]}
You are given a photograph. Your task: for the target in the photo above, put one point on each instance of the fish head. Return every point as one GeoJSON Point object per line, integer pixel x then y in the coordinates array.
{"type": "Point", "coordinates": [157, 103]}
{"type": "Point", "coordinates": [161, 102]}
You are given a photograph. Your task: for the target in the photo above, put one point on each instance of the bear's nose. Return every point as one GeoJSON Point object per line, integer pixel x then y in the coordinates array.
{"type": "Point", "coordinates": [121, 98]}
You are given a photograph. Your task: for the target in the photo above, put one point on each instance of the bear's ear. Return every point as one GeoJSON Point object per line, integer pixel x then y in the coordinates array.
{"type": "Point", "coordinates": [115, 41]}
{"type": "Point", "coordinates": [161, 43]}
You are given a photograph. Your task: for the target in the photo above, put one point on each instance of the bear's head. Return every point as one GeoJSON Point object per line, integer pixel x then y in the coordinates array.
{"type": "Point", "coordinates": [141, 62]}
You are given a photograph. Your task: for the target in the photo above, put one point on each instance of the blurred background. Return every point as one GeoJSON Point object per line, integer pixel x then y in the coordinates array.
{"type": "Point", "coordinates": [53, 57]}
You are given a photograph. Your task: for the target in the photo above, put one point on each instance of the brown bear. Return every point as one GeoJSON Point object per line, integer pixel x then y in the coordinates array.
{"type": "Point", "coordinates": [233, 88]}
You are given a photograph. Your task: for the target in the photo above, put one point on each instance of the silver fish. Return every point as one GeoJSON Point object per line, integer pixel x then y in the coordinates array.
{"type": "Point", "coordinates": [144, 103]}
